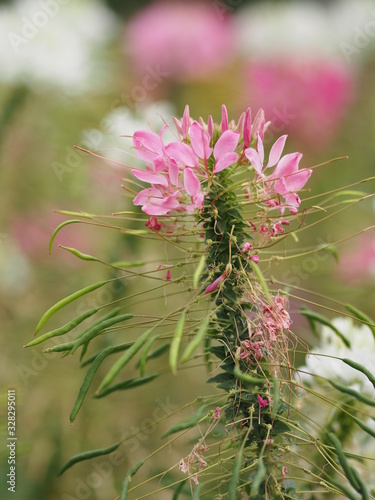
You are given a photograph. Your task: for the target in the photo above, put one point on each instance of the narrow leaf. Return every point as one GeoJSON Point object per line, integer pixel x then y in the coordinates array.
{"type": "Point", "coordinates": [275, 396]}
{"type": "Point", "coordinates": [259, 477]}
{"type": "Point", "coordinates": [62, 303]}
{"type": "Point", "coordinates": [60, 226]}
{"type": "Point", "coordinates": [343, 461]}
{"type": "Point", "coordinates": [87, 455]}
{"type": "Point", "coordinates": [262, 281]}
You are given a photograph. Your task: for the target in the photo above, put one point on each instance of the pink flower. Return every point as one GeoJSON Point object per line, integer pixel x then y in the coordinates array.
{"type": "Point", "coordinates": [247, 247]}
{"type": "Point", "coordinates": [179, 40]}
{"type": "Point", "coordinates": [254, 258]}
{"type": "Point", "coordinates": [168, 277]}
{"type": "Point", "coordinates": [306, 97]}
{"type": "Point", "coordinates": [217, 413]}
{"type": "Point", "coordinates": [214, 285]}
{"type": "Point", "coordinates": [262, 404]}
{"type": "Point", "coordinates": [285, 178]}
{"type": "Point", "coordinates": [154, 224]}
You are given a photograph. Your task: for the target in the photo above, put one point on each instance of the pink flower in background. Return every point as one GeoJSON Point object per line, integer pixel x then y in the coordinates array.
{"type": "Point", "coordinates": [357, 262]}
{"type": "Point", "coordinates": [184, 40]}
{"type": "Point", "coordinates": [307, 97]}
{"type": "Point", "coordinates": [263, 403]}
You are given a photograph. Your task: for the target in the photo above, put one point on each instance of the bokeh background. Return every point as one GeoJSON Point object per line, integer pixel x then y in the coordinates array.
{"type": "Point", "coordinates": [90, 73]}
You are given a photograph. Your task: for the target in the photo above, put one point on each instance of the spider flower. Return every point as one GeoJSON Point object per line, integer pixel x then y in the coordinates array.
{"type": "Point", "coordinates": [180, 173]}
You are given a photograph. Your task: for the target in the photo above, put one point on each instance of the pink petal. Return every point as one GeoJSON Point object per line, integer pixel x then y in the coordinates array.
{"type": "Point", "coordinates": [253, 156]}
{"type": "Point", "coordinates": [182, 153]}
{"type": "Point", "coordinates": [186, 122]}
{"type": "Point", "coordinates": [247, 128]}
{"type": "Point", "coordinates": [225, 161]}
{"type": "Point", "coordinates": [191, 182]}
{"type": "Point", "coordinates": [147, 145]}
{"type": "Point", "coordinates": [210, 126]}
{"type": "Point", "coordinates": [240, 124]}
{"type": "Point", "coordinates": [224, 118]}
{"type": "Point", "coordinates": [287, 165]}
{"type": "Point", "coordinates": [150, 177]}
{"type": "Point", "coordinates": [293, 182]}
{"type": "Point", "coordinates": [292, 201]}
{"type": "Point", "coordinates": [174, 173]}
{"type": "Point", "coordinates": [276, 151]}
{"type": "Point", "coordinates": [200, 141]}
{"type": "Point", "coordinates": [178, 125]}
{"type": "Point", "coordinates": [227, 143]}
{"type": "Point", "coordinates": [260, 148]}
{"type": "Point", "coordinates": [259, 124]}
{"type": "Point", "coordinates": [214, 285]}
{"type": "Point", "coordinates": [143, 197]}
{"type": "Point", "coordinates": [198, 202]}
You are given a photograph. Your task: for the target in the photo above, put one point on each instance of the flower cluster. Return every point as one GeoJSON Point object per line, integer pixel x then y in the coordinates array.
{"type": "Point", "coordinates": [180, 173]}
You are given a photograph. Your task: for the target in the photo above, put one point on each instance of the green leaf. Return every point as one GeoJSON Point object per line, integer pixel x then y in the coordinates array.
{"type": "Point", "coordinates": [175, 344]}
{"type": "Point", "coordinates": [125, 358]}
{"type": "Point", "coordinates": [62, 303]}
{"type": "Point", "coordinates": [275, 397]}
{"type": "Point", "coordinates": [194, 344]}
{"type": "Point", "coordinates": [330, 249]}
{"type": "Point", "coordinates": [87, 455]}
{"type": "Point", "coordinates": [127, 384]}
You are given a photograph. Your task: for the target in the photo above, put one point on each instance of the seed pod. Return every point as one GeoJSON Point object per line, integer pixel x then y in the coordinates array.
{"type": "Point", "coordinates": [87, 455]}
{"type": "Point", "coordinates": [175, 344]}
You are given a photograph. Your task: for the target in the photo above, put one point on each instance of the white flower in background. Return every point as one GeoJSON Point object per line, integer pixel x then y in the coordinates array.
{"type": "Point", "coordinates": [307, 28]}
{"type": "Point", "coordinates": [362, 351]}
{"type": "Point", "coordinates": [55, 43]}
{"type": "Point", "coordinates": [109, 137]}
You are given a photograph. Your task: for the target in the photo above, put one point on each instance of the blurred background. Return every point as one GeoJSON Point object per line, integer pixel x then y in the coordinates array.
{"type": "Point", "coordinates": [89, 72]}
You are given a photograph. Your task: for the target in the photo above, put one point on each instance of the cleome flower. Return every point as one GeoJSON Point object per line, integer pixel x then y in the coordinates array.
{"type": "Point", "coordinates": [180, 172]}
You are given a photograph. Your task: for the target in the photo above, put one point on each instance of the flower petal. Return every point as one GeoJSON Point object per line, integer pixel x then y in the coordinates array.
{"type": "Point", "coordinates": [253, 156]}
{"type": "Point", "coordinates": [224, 118]}
{"type": "Point", "coordinates": [287, 165]}
{"type": "Point", "coordinates": [191, 182]}
{"type": "Point", "coordinates": [185, 122]}
{"type": "Point", "coordinates": [247, 128]}
{"type": "Point", "coordinates": [293, 182]}
{"type": "Point", "coordinates": [227, 143]}
{"type": "Point", "coordinates": [147, 144]}
{"type": "Point", "coordinates": [225, 161]}
{"type": "Point", "coordinates": [151, 177]}
{"type": "Point", "coordinates": [276, 151]}
{"type": "Point", "coordinates": [200, 141]}
{"type": "Point", "coordinates": [182, 153]}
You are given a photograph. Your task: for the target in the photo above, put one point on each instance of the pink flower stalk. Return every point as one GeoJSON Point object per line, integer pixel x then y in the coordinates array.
{"type": "Point", "coordinates": [179, 40]}
{"type": "Point", "coordinates": [306, 97]}
{"type": "Point", "coordinates": [285, 178]}
{"type": "Point", "coordinates": [262, 404]}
